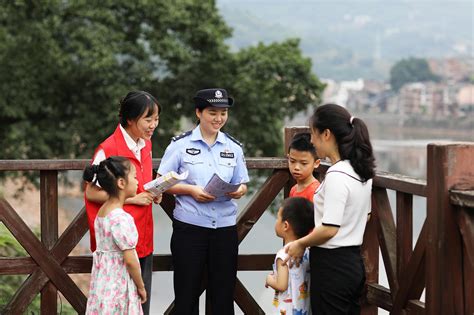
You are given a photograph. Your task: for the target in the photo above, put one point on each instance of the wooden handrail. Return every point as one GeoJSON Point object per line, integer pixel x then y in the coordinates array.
{"type": "Point", "coordinates": [462, 198]}
{"type": "Point", "coordinates": [406, 268]}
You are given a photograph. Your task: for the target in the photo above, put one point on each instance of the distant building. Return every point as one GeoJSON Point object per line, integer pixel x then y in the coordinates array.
{"type": "Point", "coordinates": [340, 92]}
{"type": "Point", "coordinates": [465, 98]}
{"type": "Point", "coordinates": [452, 69]}
{"type": "Point", "coordinates": [436, 100]}
{"type": "Point", "coordinates": [452, 96]}
{"type": "Point", "coordinates": [359, 95]}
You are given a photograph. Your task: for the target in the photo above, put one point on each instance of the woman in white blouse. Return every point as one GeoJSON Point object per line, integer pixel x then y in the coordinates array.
{"type": "Point", "coordinates": [342, 207]}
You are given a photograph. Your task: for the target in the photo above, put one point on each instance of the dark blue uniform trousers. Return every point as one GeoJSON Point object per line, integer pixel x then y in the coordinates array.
{"type": "Point", "coordinates": [196, 250]}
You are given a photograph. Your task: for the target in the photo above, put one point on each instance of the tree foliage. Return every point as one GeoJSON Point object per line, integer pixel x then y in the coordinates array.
{"type": "Point", "coordinates": [64, 65]}
{"type": "Point", "coordinates": [410, 70]}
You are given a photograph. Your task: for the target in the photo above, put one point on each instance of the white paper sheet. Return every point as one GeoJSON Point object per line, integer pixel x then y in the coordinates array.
{"type": "Point", "coordinates": [219, 188]}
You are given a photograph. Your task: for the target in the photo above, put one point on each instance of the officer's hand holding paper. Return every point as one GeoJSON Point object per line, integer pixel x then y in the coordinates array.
{"type": "Point", "coordinates": [219, 188]}
{"type": "Point", "coordinates": [164, 182]}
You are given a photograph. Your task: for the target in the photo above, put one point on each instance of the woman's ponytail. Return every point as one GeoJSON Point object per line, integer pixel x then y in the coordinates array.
{"type": "Point", "coordinates": [352, 137]}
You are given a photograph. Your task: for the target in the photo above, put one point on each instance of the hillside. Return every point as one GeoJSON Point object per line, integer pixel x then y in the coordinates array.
{"type": "Point", "coordinates": [350, 39]}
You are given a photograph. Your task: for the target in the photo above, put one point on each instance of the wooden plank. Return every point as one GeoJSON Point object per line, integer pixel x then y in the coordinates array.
{"type": "Point", "coordinates": [415, 307]}
{"type": "Point", "coordinates": [447, 169]}
{"type": "Point", "coordinates": [466, 227]}
{"type": "Point", "coordinates": [380, 296]}
{"type": "Point", "coordinates": [386, 235]}
{"type": "Point", "coordinates": [31, 286]}
{"type": "Point", "coordinates": [169, 310]}
{"type": "Point", "coordinates": [468, 283]}
{"type": "Point", "coordinates": [255, 262]}
{"type": "Point", "coordinates": [22, 297]}
{"type": "Point", "coordinates": [49, 231]}
{"type": "Point", "coordinates": [38, 279]}
{"type": "Point", "coordinates": [168, 203]}
{"type": "Point", "coordinates": [83, 264]}
{"type": "Point", "coordinates": [414, 274]}
{"type": "Point", "coordinates": [47, 165]}
{"type": "Point", "coordinates": [400, 183]}
{"type": "Point", "coordinates": [260, 201]}
{"type": "Point", "coordinates": [17, 266]}
{"type": "Point", "coordinates": [79, 164]}
{"type": "Point", "coordinates": [370, 254]}
{"type": "Point", "coordinates": [462, 198]}
{"type": "Point", "coordinates": [267, 163]}
{"type": "Point", "coordinates": [245, 301]}
{"type": "Point", "coordinates": [404, 231]}
{"type": "Point", "coordinates": [49, 207]}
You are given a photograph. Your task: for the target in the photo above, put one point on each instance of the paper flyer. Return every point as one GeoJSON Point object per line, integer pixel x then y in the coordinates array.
{"type": "Point", "coordinates": [164, 182]}
{"type": "Point", "coordinates": [219, 188]}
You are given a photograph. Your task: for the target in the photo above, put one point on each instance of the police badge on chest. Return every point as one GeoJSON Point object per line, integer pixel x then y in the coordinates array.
{"type": "Point", "coordinates": [193, 151]}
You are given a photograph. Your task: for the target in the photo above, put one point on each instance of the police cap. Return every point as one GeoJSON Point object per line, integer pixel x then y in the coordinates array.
{"type": "Point", "coordinates": [213, 97]}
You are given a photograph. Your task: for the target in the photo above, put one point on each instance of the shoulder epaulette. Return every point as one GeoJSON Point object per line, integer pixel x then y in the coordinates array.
{"type": "Point", "coordinates": [233, 139]}
{"type": "Point", "coordinates": [181, 136]}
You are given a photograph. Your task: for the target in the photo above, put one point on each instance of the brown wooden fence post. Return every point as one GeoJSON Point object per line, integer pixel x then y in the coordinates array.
{"type": "Point", "coordinates": [449, 167]}
{"type": "Point", "coordinates": [370, 254]}
{"type": "Point", "coordinates": [49, 232]}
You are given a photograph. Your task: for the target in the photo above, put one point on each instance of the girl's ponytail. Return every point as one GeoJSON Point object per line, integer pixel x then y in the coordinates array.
{"type": "Point", "coordinates": [90, 172]}
{"type": "Point", "coordinates": [107, 173]}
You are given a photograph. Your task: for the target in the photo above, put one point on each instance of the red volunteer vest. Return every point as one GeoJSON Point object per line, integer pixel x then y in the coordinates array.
{"type": "Point", "coordinates": [116, 145]}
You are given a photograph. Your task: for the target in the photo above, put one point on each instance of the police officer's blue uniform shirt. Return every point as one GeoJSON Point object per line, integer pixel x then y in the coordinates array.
{"type": "Point", "coordinates": [191, 153]}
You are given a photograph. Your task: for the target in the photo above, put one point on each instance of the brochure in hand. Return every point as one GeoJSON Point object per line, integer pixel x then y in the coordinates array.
{"type": "Point", "coordinates": [162, 183]}
{"type": "Point", "coordinates": [219, 188]}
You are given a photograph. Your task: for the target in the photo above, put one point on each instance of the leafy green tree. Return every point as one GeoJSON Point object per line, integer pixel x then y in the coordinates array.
{"type": "Point", "coordinates": [270, 82]}
{"type": "Point", "coordinates": [65, 64]}
{"type": "Point", "coordinates": [410, 70]}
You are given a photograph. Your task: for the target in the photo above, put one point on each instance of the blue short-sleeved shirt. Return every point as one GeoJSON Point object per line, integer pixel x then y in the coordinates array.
{"type": "Point", "coordinates": [191, 153]}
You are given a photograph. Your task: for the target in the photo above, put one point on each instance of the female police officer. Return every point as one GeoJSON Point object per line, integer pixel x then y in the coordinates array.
{"type": "Point", "coordinates": [204, 228]}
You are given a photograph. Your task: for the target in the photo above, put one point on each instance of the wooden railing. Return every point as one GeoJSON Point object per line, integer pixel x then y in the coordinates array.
{"type": "Point", "coordinates": [442, 260]}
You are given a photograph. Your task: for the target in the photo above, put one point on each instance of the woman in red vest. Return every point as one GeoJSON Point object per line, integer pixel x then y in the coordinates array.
{"type": "Point", "coordinates": [139, 116]}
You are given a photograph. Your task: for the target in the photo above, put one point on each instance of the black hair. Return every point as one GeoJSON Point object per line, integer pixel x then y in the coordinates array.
{"type": "Point", "coordinates": [302, 142]}
{"type": "Point", "coordinates": [107, 173]}
{"type": "Point", "coordinates": [351, 135]}
{"type": "Point", "coordinates": [299, 212]}
{"type": "Point", "coordinates": [134, 104]}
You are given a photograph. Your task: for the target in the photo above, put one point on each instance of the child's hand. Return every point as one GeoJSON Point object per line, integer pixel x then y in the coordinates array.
{"type": "Point", "coordinates": [200, 195]}
{"type": "Point", "coordinates": [142, 294]}
{"type": "Point", "coordinates": [270, 279]}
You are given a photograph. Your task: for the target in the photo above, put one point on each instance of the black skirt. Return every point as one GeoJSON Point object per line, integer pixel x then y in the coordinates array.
{"type": "Point", "coordinates": [337, 280]}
